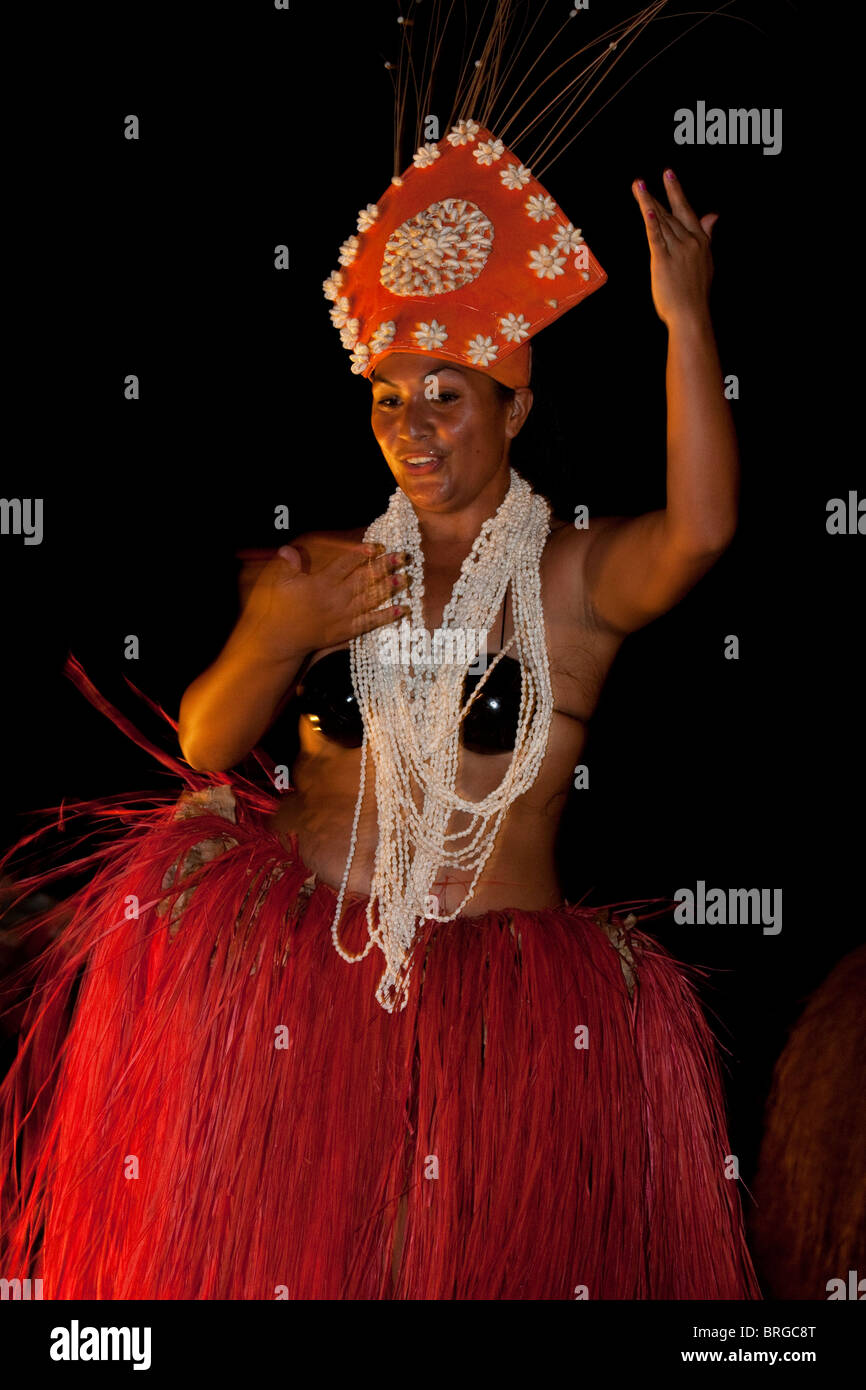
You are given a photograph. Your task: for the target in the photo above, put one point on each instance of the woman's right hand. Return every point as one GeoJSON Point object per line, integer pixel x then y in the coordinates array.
{"type": "Point", "coordinates": [320, 593]}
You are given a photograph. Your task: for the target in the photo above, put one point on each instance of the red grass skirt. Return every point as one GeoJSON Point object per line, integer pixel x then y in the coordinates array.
{"type": "Point", "coordinates": [209, 1103]}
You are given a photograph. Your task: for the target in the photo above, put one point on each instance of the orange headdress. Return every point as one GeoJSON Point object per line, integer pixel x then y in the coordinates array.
{"type": "Point", "coordinates": [465, 257]}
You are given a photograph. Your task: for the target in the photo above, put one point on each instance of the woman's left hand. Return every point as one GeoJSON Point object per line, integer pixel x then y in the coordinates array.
{"type": "Point", "coordinates": [681, 264]}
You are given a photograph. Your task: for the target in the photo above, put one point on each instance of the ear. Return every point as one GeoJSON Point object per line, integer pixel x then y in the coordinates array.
{"type": "Point", "coordinates": [518, 411]}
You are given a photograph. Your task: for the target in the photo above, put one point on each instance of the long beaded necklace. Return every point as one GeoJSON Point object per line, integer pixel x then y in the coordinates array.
{"type": "Point", "coordinates": [412, 717]}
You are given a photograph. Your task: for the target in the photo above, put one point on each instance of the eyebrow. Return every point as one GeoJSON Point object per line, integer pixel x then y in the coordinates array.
{"type": "Point", "coordinates": [376, 379]}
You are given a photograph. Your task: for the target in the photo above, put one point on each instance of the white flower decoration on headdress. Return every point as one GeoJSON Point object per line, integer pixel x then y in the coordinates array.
{"type": "Point", "coordinates": [545, 263]}
{"type": "Point", "coordinates": [567, 238]}
{"type": "Point", "coordinates": [331, 286]}
{"type": "Point", "coordinates": [440, 249]}
{"type": "Point", "coordinates": [463, 132]}
{"type": "Point", "coordinates": [340, 312]}
{"type": "Point", "coordinates": [488, 151]}
{"type": "Point", "coordinates": [349, 250]}
{"type": "Point", "coordinates": [430, 335]}
{"type": "Point", "coordinates": [349, 333]}
{"type": "Point", "coordinates": [481, 351]}
{"type": "Point", "coordinates": [383, 337]}
{"type": "Point", "coordinates": [367, 216]}
{"type": "Point", "coordinates": [514, 327]}
{"type": "Point", "coordinates": [540, 208]}
{"type": "Point", "coordinates": [515, 175]}
{"type": "Point", "coordinates": [425, 156]}
{"type": "Point", "coordinates": [360, 358]}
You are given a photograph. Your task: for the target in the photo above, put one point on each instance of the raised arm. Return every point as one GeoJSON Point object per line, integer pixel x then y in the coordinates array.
{"type": "Point", "coordinates": [636, 568]}
{"type": "Point", "coordinates": [313, 594]}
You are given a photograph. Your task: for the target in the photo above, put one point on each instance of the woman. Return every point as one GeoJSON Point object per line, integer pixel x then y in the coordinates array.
{"type": "Point", "coordinates": [598, 584]}
{"type": "Point", "coordinates": [522, 1099]}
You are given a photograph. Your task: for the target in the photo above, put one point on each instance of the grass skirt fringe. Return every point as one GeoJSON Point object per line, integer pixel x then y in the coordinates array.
{"type": "Point", "coordinates": [208, 1103]}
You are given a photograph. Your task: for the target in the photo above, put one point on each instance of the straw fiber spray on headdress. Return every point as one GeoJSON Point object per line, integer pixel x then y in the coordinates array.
{"type": "Point", "coordinates": [466, 255]}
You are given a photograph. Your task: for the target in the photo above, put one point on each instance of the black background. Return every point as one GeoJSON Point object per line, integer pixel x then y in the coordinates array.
{"type": "Point", "coordinates": [155, 257]}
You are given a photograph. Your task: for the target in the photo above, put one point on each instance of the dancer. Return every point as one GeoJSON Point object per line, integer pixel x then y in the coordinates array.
{"type": "Point", "coordinates": [351, 1042]}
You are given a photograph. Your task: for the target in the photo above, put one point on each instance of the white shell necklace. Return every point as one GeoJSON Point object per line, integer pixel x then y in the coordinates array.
{"type": "Point", "coordinates": [412, 717]}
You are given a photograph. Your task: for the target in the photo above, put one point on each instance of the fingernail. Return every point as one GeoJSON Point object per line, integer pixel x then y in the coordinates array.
{"type": "Point", "coordinates": [650, 213]}
{"type": "Point", "coordinates": [641, 185]}
{"type": "Point", "coordinates": [670, 175]}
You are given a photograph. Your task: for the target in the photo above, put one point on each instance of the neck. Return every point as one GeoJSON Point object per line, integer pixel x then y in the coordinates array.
{"type": "Point", "coordinates": [458, 529]}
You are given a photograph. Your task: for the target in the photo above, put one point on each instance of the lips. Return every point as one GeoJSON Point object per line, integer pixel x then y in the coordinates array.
{"type": "Point", "coordinates": [421, 463]}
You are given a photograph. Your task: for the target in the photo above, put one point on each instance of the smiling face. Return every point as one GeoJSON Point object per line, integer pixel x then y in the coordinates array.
{"type": "Point", "coordinates": [446, 442]}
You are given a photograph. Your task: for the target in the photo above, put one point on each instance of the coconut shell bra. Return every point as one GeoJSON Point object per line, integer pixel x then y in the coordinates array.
{"type": "Point", "coordinates": [327, 696]}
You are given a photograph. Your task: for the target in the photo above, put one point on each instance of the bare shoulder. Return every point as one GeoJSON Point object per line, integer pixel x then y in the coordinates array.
{"type": "Point", "coordinates": [568, 543]}
{"type": "Point", "coordinates": [564, 560]}
{"type": "Point", "coordinates": [566, 573]}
